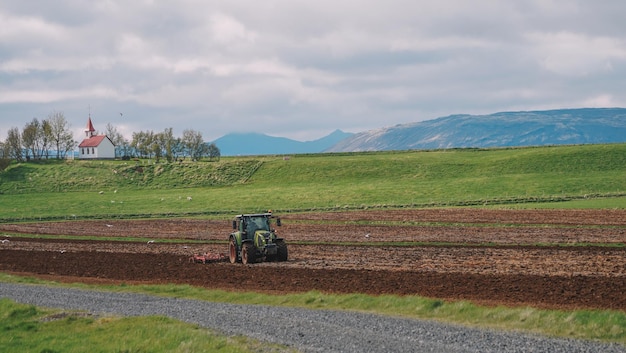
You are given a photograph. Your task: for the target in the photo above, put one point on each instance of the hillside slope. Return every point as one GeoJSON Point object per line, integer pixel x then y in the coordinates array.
{"type": "Point", "coordinates": [79, 176]}
{"type": "Point", "coordinates": [533, 128]}
{"type": "Point", "coordinates": [460, 177]}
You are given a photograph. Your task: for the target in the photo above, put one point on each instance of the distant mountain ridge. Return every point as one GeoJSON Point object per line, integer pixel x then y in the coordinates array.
{"type": "Point", "coordinates": [525, 128]}
{"type": "Point", "coordinates": [504, 129]}
{"type": "Point", "coordinates": [247, 144]}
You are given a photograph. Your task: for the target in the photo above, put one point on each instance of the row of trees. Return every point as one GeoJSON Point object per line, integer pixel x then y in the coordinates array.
{"type": "Point", "coordinates": [52, 138]}
{"type": "Point", "coordinates": [40, 139]}
{"type": "Point", "coordinates": [158, 145]}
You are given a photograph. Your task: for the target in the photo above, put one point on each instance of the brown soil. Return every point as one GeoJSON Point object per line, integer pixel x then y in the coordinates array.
{"type": "Point", "coordinates": [349, 256]}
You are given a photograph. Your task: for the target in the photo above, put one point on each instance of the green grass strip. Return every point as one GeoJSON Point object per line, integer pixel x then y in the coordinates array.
{"type": "Point", "coordinates": [601, 325]}
{"type": "Point", "coordinates": [26, 329]}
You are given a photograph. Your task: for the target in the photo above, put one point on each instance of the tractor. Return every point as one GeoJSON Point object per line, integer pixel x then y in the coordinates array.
{"type": "Point", "coordinates": [255, 240]}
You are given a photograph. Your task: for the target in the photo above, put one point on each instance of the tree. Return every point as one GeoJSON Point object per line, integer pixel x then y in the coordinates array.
{"type": "Point", "coordinates": [4, 161]}
{"type": "Point", "coordinates": [31, 138]}
{"type": "Point", "coordinates": [13, 145]}
{"type": "Point", "coordinates": [168, 143]}
{"type": "Point", "coordinates": [214, 152]}
{"type": "Point", "coordinates": [36, 138]}
{"type": "Point", "coordinates": [195, 147]}
{"type": "Point", "coordinates": [178, 148]}
{"type": "Point", "coordinates": [155, 147]}
{"type": "Point", "coordinates": [143, 143]}
{"type": "Point", "coordinates": [122, 145]}
{"type": "Point", "coordinates": [134, 143]}
{"type": "Point", "coordinates": [165, 142]}
{"type": "Point", "coordinates": [58, 130]}
{"type": "Point", "coordinates": [68, 145]}
{"type": "Point", "coordinates": [45, 138]}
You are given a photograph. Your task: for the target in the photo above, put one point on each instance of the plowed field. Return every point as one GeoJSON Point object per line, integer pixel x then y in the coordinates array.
{"type": "Point", "coordinates": [554, 259]}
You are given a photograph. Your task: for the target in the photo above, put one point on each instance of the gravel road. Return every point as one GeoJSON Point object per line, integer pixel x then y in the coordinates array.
{"type": "Point", "coordinates": [305, 330]}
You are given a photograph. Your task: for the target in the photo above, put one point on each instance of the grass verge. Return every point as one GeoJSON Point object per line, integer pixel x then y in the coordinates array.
{"type": "Point", "coordinates": [601, 325]}
{"type": "Point", "coordinates": [26, 328]}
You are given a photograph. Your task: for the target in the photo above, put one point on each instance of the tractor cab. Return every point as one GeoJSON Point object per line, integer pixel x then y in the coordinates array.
{"type": "Point", "coordinates": [254, 239]}
{"type": "Point", "coordinates": [249, 224]}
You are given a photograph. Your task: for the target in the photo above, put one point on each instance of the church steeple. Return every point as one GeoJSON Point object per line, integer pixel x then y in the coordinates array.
{"type": "Point", "coordinates": [89, 131]}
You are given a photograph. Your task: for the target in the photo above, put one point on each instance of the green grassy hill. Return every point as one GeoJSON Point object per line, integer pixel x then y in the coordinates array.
{"type": "Point", "coordinates": [65, 189]}
{"type": "Point", "coordinates": [77, 176]}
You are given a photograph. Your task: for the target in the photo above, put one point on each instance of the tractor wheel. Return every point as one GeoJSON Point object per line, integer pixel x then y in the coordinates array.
{"type": "Point", "coordinates": [282, 253]}
{"type": "Point", "coordinates": [232, 251]}
{"type": "Point", "coordinates": [248, 253]}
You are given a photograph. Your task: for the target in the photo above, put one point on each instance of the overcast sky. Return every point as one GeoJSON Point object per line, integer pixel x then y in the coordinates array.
{"type": "Point", "coordinates": [301, 69]}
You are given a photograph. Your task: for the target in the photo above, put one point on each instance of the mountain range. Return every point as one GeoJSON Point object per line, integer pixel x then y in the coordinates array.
{"type": "Point", "coordinates": [245, 144]}
{"type": "Point", "coordinates": [504, 129]}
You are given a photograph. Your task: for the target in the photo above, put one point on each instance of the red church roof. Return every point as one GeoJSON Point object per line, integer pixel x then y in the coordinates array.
{"type": "Point", "coordinates": [90, 126]}
{"type": "Point", "coordinates": [92, 141]}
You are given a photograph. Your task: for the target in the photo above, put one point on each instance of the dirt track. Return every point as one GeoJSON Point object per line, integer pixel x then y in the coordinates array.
{"type": "Point", "coordinates": [514, 269]}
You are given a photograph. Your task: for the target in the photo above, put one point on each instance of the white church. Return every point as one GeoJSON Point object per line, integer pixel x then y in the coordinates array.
{"type": "Point", "coordinates": [95, 146]}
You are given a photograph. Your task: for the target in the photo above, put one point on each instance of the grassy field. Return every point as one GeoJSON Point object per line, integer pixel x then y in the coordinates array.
{"type": "Point", "coordinates": [584, 176]}
{"type": "Point", "coordinates": [590, 176]}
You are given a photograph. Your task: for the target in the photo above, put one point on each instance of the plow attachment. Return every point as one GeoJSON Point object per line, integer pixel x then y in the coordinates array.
{"type": "Point", "coordinates": [207, 257]}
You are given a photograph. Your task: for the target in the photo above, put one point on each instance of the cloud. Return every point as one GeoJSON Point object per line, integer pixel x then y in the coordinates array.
{"type": "Point", "coordinates": [577, 54]}
{"type": "Point", "coordinates": [225, 29]}
{"type": "Point", "coordinates": [304, 69]}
